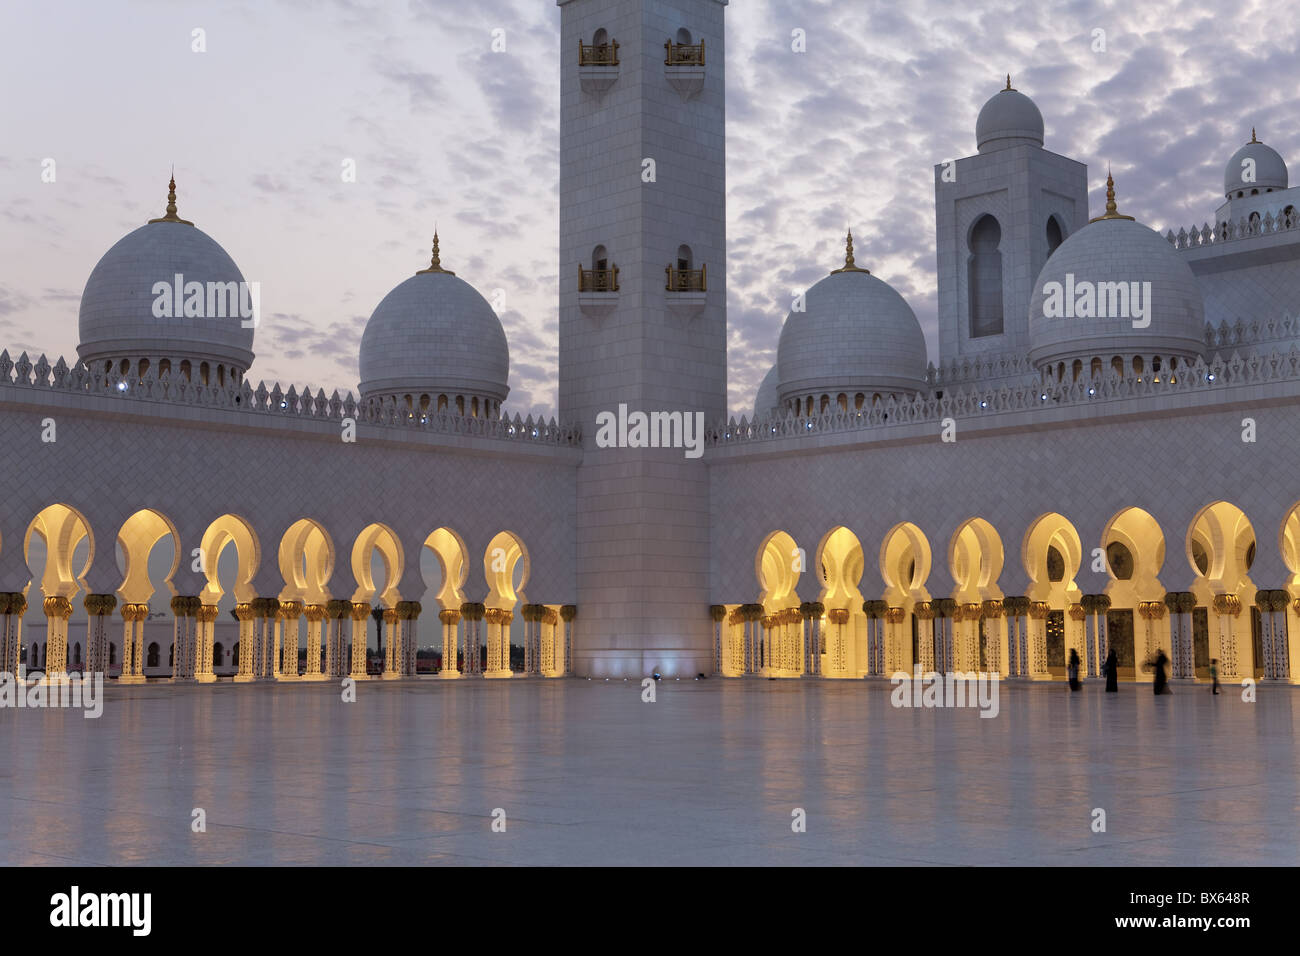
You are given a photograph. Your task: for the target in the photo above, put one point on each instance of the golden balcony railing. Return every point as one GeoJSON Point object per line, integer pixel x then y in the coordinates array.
{"type": "Point", "coordinates": [687, 280]}
{"type": "Point", "coordinates": [597, 280]}
{"type": "Point", "coordinates": [684, 54]}
{"type": "Point", "coordinates": [598, 54]}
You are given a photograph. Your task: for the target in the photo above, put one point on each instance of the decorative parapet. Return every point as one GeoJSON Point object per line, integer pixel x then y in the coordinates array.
{"type": "Point", "coordinates": [1247, 227]}
{"type": "Point", "coordinates": [179, 391]}
{"type": "Point", "coordinates": [1223, 372]}
{"type": "Point", "coordinates": [968, 368]}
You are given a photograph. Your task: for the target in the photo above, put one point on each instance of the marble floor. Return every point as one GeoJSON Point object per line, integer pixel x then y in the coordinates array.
{"type": "Point", "coordinates": [586, 773]}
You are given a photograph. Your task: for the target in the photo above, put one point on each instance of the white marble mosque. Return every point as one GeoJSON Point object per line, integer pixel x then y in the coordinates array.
{"type": "Point", "coordinates": [1103, 453]}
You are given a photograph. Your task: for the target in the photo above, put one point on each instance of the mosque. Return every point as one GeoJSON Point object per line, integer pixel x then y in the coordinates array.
{"type": "Point", "coordinates": [1103, 454]}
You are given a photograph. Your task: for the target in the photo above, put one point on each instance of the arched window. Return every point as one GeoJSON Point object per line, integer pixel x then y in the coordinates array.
{"type": "Point", "coordinates": [683, 37]}
{"type": "Point", "coordinates": [826, 403]}
{"type": "Point", "coordinates": [1096, 368]}
{"type": "Point", "coordinates": [221, 375]}
{"type": "Point", "coordinates": [600, 37]}
{"type": "Point", "coordinates": [460, 404]}
{"type": "Point", "coordinates": [203, 373]}
{"type": "Point", "coordinates": [1288, 216]}
{"type": "Point", "coordinates": [151, 659]}
{"type": "Point", "coordinates": [809, 406]}
{"type": "Point", "coordinates": [985, 278]}
{"type": "Point", "coordinates": [1055, 234]}
{"type": "Point", "coordinates": [218, 654]}
{"type": "Point", "coordinates": [474, 406]}
{"type": "Point", "coordinates": [186, 370]}
{"type": "Point", "coordinates": [442, 403]}
{"type": "Point", "coordinates": [599, 259]}
{"type": "Point", "coordinates": [1117, 366]}
{"type": "Point", "coordinates": [143, 368]}
{"type": "Point", "coordinates": [1076, 370]}
{"type": "Point", "coordinates": [684, 258]}
{"type": "Point", "coordinates": [1137, 365]}
{"type": "Point", "coordinates": [164, 367]}
{"type": "Point", "coordinates": [842, 401]}
{"type": "Point", "coordinates": [859, 400]}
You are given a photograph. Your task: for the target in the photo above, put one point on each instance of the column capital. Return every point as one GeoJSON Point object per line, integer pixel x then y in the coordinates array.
{"type": "Point", "coordinates": [57, 607]}
{"type": "Point", "coordinates": [314, 612]}
{"type": "Point", "coordinates": [290, 610]}
{"type": "Point", "coordinates": [207, 613]}
{"type": "Point", "coordinates": [97, 605]}
{"type": "Point", "coordinates": [408, 610]}
{"type": "Point", "coordinates": [449, 616]}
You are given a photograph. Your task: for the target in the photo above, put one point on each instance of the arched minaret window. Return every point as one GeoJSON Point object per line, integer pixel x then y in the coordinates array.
{"type": "Point", "coordinates": [1055, 234]}
{"type": "Point", "coordinates": [985, 278]}
{"type": "Point", "coordinates": [600, 259]}
{"type": "Point", "coordinates": [683, 37]}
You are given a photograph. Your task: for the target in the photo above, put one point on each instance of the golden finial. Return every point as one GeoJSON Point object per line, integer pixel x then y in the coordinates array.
{"type": "Point", "coordinates": [1009, 88]}
{"type": "Point", "coordinates": [435, 265]}
{"type": "Point", "coordinates": [848, 258]}
{"type": "Point", "coordinates": [1112, 211]}
{"type": "Point", "coordinates": [1252, 135]}
{"type": "Point", "coordinates": [171, 204]}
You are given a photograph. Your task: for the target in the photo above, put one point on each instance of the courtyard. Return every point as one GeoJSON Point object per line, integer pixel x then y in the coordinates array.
{"type": "Point", "coordinates": [585, 772]}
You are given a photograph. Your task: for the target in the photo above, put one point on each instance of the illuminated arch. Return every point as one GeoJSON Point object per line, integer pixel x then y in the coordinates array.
{"type": "Point", "coordinates": [381, 538]}
{"type": "Point", "coordinates": [453, 559]}
{"type": "Point", "coordinates": [504, 555]}
{"type": "Point", "coordinates": [306, 558]}
{"type": "Point", "coordinates": [226, 530]}
{"type": "Point", "coordinates": [137, 538]}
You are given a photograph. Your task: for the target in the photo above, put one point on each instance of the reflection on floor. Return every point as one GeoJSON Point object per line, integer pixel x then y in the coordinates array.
{"type": "Point", "coordinates": [709, 773]}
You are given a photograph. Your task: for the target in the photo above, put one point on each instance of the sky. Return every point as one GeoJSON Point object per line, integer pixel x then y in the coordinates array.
{"type": "Point", "coordinates": [446, 132]}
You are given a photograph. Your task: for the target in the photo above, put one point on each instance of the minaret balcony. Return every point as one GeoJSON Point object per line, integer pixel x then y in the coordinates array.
{"type": "Point", "coordinates": [597, 290]}
{"type": "Point", "coordinates": [686, 290]}
{"type": "Point", "coordinates": [597, 66]}
{"type": "Point", "coordinates": [684, 67]}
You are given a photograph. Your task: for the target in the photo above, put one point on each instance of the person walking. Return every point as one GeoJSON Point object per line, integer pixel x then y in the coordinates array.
{"type": "Point", "coordinates": [1074, 669]}
{"type": "Point", "coordinates": [1112, 672]}
{"type": "Point", "coordinates": [1214, 675]}
{"type": "Point", "coordinates": [1161, 681]}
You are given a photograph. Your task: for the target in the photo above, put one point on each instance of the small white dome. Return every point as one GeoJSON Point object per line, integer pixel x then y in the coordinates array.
{"type": "Point", "coordinates": [1107, 252]}
{"type": "Point", "coordinates": [1263, 163]}
{"type": "Point", "coordinates": [856, 334]}
{"type": "Point", "coordinates": [117, 318]}
{"type": "Point", "coordinates": [766, 399]}
{"type": "Point", "coordinates": [434, 333]}
{"type": "Point", "coordinates": [1008, 119]}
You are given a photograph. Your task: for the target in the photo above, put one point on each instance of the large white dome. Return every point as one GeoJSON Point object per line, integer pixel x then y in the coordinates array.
{"type": "Point", "coordinates": [1109, 251]}
{"type": "Point", "coordinates": [435, 335]}
{"type": "Point", "coordinates": [1008, 119]}
{"type": "Point", "coordinates": [1266, 167]}
{"type": "Point", "coordinates": [117, 322]}
{"type": "Point", "coordinates": [855, 335]}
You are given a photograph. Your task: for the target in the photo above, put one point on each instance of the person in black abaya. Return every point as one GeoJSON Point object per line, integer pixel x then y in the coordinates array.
{"type": "Point", "coordinates": [1112, 672]}
{"type": "Point", "coordinates": [1074, 669]}
{"type": "Point", "coordinates": [1161, 680]}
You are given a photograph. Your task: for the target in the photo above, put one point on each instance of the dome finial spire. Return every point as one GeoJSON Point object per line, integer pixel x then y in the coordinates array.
{"type": "Point", "coordinates": [435, 264]}
{"type": "Point", "coordinates": [1112, 211]}
{"type": "Point", "coordinates": [171, 203]}
{"type": "Point", "coordinates": [1009, 88]}
{"type": "Point", "coordinates": [849, 265]}
{"type": "Point", "coordinates": [1252, 135]}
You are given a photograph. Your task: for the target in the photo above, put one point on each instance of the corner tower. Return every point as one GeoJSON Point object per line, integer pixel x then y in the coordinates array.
{"type": "Point", "coordinates": [642, 316]}
{"type": "Point", "coordinates": [999, 215]}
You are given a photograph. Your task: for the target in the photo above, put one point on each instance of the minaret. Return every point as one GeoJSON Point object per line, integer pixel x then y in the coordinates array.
{"type": "Point", "coordinates": [642, 208]}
